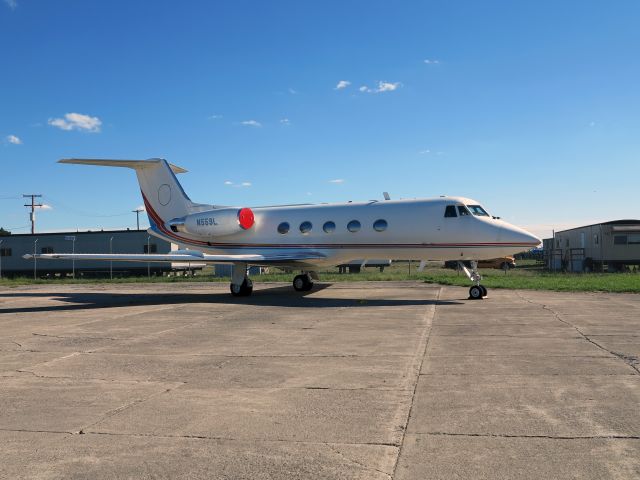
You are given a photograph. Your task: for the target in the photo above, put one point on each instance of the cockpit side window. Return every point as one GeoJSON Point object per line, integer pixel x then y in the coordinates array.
{"type": "Point", "coordinates": [462, 210]}
{"type": "Point", "coordinates": [478, 211]}
{"type": "Point", "coordinates": [450, 211]}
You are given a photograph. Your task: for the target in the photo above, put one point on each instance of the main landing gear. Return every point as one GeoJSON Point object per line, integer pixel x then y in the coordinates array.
{"type": "Point", "coordinates": [477, 291]}
{"type": "Point", "coordinates": [241, 285]}
{"type": "Point", "coordinates": [302, 283]}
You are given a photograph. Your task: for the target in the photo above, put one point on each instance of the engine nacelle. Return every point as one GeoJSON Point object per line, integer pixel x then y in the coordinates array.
{"type": "Point", "coordinates": [218, 222]}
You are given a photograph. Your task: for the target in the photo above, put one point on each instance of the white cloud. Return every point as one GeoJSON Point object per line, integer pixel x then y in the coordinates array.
{"type": "Point", "coordinates": [44, 206]}
{"type": "Point", "coordinates": [337, 180]}
{"type": "Point", "coordinates": [387, 86]}
{"type": "Point", "coordinates": [342, 84]}
{"type": "Point", "coordinates": [251, 123]}
{"type": "Point", "coordinates": [237, 185]}
{"type": "Point", "coordinates": [214, 117]}
{"type": "Point", "coordinates": [424, 152]}
{"type": "Point", "coordinates": [285, 121]}
{"type": "Point", "coordinates": [292, 91]}
{"type": "Point", "coordinates": [141, 208]}
{"type": "Point", "coordinates": [431, 61]}
{"type": "Point", "coordinates": [12, 4]}
{"type": "Point", "coordinates": [382, 87]}
{"type": "Point", "coordinates": [13, 139]}
{"type": "Point", "coordinates": [592, 124]}
{"type": "Point", "coordinates": [77, 121]}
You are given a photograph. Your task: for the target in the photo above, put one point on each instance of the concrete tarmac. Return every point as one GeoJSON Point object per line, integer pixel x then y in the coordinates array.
{"type": "Point", "coordinates": [351, 381]}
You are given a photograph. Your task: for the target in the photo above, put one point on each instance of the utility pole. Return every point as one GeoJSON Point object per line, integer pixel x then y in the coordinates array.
{"type": "Point", "coordinates": [137, 212]}
{"type": "Point", "coordinates": [32, 205]}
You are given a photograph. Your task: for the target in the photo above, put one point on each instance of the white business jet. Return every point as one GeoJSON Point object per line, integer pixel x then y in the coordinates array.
{"type": "Point", "coordinates": [310, 237]}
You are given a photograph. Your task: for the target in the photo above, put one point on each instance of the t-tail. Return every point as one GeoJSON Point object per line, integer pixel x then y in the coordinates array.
{"type": "Point", "coordinates": [163, 196]}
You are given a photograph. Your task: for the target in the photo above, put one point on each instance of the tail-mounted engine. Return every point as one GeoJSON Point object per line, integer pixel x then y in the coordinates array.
{"type": "Point", "coordinates": [219, 222]}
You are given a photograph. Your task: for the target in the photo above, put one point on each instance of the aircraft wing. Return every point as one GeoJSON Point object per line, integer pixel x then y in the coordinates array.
{"type": "Point", "coordinates": [183, 256]}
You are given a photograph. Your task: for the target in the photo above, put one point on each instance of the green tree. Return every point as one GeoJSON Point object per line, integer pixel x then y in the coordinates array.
{"type": "Point", "coordinates": [4, 233]}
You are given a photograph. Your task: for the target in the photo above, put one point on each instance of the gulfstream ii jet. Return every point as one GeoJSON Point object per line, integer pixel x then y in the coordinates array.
{"type": "Point", "coordinates": [310, 237]}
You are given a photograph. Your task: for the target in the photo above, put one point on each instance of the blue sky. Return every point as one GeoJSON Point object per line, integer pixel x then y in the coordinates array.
{"type": "Point", "coordinates": [530, 107]}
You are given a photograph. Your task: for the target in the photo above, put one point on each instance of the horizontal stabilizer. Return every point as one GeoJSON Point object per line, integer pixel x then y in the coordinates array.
{"type": "Point", "coordinates": [135, 164]}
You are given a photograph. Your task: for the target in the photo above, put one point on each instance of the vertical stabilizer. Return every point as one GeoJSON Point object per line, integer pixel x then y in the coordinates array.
{"type": "Point", "coordinates": [163, 195]}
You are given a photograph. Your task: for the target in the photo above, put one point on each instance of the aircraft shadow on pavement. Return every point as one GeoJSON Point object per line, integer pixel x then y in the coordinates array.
{"type": "Point", "coordinates": [270, 297]}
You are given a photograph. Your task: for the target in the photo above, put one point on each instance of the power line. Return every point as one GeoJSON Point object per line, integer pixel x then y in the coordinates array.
{"type": "Point", "coordinates": [33, 205]}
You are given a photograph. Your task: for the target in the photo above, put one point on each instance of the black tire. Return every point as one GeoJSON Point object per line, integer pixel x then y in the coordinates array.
{"type": "Point", "coordinates": [243, 290]}
{"type": "Point", "coordinates": [475, 293]}
{"type": "Point", "coordinates": [484, 290]}
{"type": "Point", "coordinates": [505, 266]}
{"type": "Point", "coordinates": [302, 283]}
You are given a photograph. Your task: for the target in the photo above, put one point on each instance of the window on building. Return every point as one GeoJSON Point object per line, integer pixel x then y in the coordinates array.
{"type": "Point", "coordinates": [353, 226]}
{"type": "Point", "coordinates": [619, 239]}
{"type": "Point", "coordinates": [595, 239]}
{"type": "Point", "coordinates": [150, 248]}
{"type": "Point", "coordinates": [305, 227]}
{"type": "Point", "coordinates": [5, 252]}
{"type": "Point", "coordinates": [380, 225]}
{"type": "Point", "coordinates": [329, 227]}
{"type": "Point", "coordinates": [46, 250]}
{"type": "Point", "coordinates": [462, 210]}
{"type": "Point", "coordinates": [566, 242]}
{"type": "Point", "coordinates": [283, 228]}
{"type": "Point", "coordinates": [450, 211]}
{"type": "Point", "coordinates": [633, 239]}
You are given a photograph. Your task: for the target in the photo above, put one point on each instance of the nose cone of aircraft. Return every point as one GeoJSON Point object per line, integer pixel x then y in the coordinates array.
{"type": "Point", "coordinates": [519, 236]}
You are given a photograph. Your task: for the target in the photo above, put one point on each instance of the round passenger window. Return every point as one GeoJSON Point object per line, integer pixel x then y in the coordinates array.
{"type": "Point", "coordinates": [380, 225]}
{"type": "Point", "coordinates": [329, 227]}
{"type": "Point", "coordinates": [353, 226]}
{"type": "Point", "coordinates": [283, 228]}
{"type": "Point", "coordinates": [305, 227]}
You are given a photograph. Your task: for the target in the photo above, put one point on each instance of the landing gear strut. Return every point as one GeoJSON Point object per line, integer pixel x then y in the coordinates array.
{"type": "Point", "coordinates": [477, 291]}
{"type": "Point", "coordinates": [241, 285]}
{"type": "Point", "coordinates": [302, 283]}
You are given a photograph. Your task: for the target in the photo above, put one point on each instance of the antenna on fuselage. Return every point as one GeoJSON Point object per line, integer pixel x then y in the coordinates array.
{"type": "Point", "coordinates": [386, 195]}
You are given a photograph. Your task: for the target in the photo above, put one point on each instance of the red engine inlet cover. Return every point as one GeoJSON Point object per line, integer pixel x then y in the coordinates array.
{"type": "Point", "coordinates": [245, 218]}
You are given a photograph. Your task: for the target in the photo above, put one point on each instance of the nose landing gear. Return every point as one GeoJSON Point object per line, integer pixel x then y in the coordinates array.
{"type": "Point", "coordinates": [477, 291]}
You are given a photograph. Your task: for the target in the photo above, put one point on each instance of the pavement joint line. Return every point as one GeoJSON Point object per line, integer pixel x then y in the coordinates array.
{"type": "Point", "coordinates": [230, 439]}
{"type": "Point", "coordinates": [629, 360]}
{"type": "Point", "coordinates": [550, 437]}
{"type": "Point", "coordinates": [529, 374]}
{"type": "Point", "coordinates": [423, 351]}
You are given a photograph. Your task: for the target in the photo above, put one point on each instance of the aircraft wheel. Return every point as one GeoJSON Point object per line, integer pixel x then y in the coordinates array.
{"type": "Point", "coordinates": [243, 290]}
{"type": "Point", "coordinates": [475, 292]}
{"type": "Point", "coordinates": [302, 283]}
{"type": "Point", "coordinates": [484, 290]}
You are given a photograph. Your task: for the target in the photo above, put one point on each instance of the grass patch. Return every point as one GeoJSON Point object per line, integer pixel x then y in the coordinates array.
{"type": "Point", "coordinates": [528, 275]}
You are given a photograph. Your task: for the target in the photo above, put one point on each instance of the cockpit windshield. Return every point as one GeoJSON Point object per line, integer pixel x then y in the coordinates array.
{"type": "Point", "coordinates": [462, 210]}
{"type": "Point", "coordinates": [478, 211]}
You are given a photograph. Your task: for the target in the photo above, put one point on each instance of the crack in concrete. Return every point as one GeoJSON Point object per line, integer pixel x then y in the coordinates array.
{"type": "Point", "coordinates": [72, 338]}
{"type": "Point", "coordinates": [355, 462]}
{"type": "Point", "coordinates": [124, 407]}
{"type": "Point", "coordinates": [427, 337]}
{"type": "Point", "coordinates": [630, 360]}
